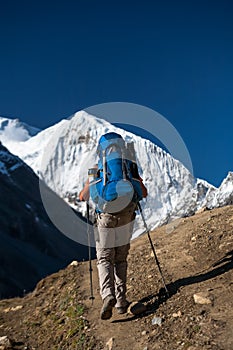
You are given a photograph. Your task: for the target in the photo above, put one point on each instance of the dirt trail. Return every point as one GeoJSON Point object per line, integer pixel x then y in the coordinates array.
{"type": "Point", "coordinates": [119, 330]}
{"type": "Point", "coordinates": [196, 257]}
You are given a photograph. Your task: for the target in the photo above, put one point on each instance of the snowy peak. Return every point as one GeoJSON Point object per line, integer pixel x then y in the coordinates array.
{"type": "Point", "coordinates": [226, 188]}
{"type": "Point", "coordinates": [222, 195]}
{"type": "Point", "coordinates": [13, 130]}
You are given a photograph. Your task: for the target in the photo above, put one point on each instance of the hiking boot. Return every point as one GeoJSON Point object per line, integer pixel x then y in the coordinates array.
{"type": "Point", "coordinates": [106, 311]}
{"type": "Point", "coordinates": [123, 309]}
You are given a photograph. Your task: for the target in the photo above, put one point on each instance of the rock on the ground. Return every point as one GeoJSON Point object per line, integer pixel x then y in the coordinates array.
{"type": "Point", "coordinates": [5, 343]}
{"type": "Point", "coordinates": [202, 298]}
{"type": "Point", "coordinates": [109, 344]}
{"type": "Point", "coordinates": [137, 308]}
{"type": "Point", "coordinates": [157, 321]}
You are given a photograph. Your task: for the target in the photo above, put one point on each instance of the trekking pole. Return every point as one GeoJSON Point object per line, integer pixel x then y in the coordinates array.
{"type": "Point", "coordinates": [153, 248]}
{"type": "Point", "coordinates": [89, 253]}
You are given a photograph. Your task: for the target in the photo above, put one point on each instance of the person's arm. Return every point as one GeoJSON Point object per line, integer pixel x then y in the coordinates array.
{"type": "Point", "coordinates": [144, 189]}
{"type": "Point", "coordinates": [84, 195]}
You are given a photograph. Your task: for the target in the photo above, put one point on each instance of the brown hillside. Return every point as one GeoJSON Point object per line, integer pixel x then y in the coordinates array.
{"type": "Point", "coordinates": [196, 256]}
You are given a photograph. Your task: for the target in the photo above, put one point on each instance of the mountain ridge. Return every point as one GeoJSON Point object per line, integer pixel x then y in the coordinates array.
{"type": "Point", "coordinates": [62, 154]}
{"type": "Point", "coordinates": [31, 247]}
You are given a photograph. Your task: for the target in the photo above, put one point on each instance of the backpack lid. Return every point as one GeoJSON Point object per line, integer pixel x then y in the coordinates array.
{"type": "Point", "coordinates": [111, 138]}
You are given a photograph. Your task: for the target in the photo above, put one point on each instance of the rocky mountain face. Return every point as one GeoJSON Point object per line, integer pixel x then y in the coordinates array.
{"type": "Point", "coordinates": [31, 247]}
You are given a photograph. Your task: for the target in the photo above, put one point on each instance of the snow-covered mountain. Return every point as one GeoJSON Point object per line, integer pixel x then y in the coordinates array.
{"type": "Point", "coordinates": [13, 130]}
{"type": "Point", "coordinates": [62, 154]}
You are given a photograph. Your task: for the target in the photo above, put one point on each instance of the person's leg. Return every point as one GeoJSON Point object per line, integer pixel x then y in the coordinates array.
{"type": "Point", "coordinates": [105, 266]}
{"type": "Point", "coordinates": [123, 235]}
{"type": "Point", "coordinates": [120, 272]}
{"type": "Point", "coordinates": [105, 249]}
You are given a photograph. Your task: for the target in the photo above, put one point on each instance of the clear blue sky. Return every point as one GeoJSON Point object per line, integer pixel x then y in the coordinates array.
{"type": "Point", "coordinates": [176, 57]}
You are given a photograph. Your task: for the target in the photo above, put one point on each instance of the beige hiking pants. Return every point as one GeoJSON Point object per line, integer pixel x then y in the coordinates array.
{"type": "Point", "coordinates": [112, 246]}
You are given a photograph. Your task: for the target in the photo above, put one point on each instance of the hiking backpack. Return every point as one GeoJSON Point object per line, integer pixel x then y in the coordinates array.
{"type": "Point", "coordinates": [117, 182]}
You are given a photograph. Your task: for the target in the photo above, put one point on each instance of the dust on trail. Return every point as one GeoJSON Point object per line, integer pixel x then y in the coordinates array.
{"type": "Point", "coordinates": [196, 257]}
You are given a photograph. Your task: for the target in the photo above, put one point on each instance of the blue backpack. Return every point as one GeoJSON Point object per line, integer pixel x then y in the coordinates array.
{"type": "Point", "coordinates": [117, 182]}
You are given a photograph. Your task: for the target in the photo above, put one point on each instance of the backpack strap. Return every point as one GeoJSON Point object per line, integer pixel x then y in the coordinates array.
{"type": "Point", "coordinates": [125, 169]}
{"type": "Point", "coordinates": [104, 167]}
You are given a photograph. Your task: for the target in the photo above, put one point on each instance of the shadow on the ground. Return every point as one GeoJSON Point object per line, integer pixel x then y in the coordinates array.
{"type": "Point", "coordinates": [153, 301]}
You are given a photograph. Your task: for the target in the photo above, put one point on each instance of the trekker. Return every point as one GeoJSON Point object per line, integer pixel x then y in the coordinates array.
{"type": "Point", "coordinates": [115, 213]}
